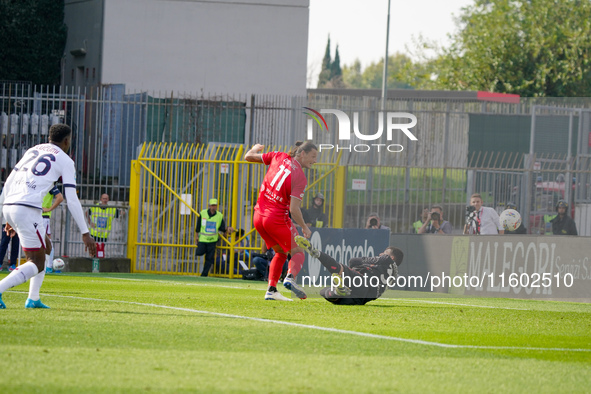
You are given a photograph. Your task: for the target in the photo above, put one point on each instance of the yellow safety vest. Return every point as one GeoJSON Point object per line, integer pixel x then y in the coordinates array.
{"type": "Point", "coordinates": [417, 226]}
{"type": "Point", "coordinates": [548, 225]}
{"type": "Point", "coordinates": [210, 226]}
{"type": "Point", "coordinates": [102, 219]}
{"type": "Point", "coordinates": [47, 203]}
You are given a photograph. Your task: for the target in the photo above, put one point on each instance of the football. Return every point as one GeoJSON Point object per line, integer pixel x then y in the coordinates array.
{"type": "Point", "coordinates": [58, 264]}
{"type": "Point", "coordinates": [510, 219]}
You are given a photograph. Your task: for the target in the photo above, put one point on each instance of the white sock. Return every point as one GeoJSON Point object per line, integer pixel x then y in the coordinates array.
{"type": "Point", "coordinates": [19, 276]}
{"type": "Point", "coordinates": [50, 262]}
{"type": "Point", "coordinates": [35, 285]}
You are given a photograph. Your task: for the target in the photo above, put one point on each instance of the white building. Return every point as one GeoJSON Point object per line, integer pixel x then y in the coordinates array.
{"type": "Point", "coordinates": [210, 46]}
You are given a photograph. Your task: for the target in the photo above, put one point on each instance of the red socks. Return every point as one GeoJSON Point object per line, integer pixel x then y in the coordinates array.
{"type": "Point", "coordinates": [296, 263]}
{"type": "Point", "coordinates": [276, 267]}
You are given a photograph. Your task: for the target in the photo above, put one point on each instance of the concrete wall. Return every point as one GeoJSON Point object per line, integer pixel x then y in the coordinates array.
{"type": "Point", "coordinates": [84, 20]}
{"type": "Point", "coordinates": [228, 46]}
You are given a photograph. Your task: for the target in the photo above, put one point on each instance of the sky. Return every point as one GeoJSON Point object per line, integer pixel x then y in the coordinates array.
{"type": "Point", "coordinates": [359, 28]}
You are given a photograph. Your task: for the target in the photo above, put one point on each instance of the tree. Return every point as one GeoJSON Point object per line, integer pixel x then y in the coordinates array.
{"type": "Point", "coordinates": [324, 76]}
{"type": "Point", "coordinates": [527, 47]}
{"type": "Point", "coordinates": [331, 73]}
{"type": "Point", "coordinates": [336, 73]}
{"type": "Point", "coordinates": [352, 76]}
{"type": "Point", "coordinates": [374, 73]}
{"type": "Point", "coordinates": [335, 67]}
{"type": "Point", "coordinates": [403, 73]}
{"type": "Point", "coordinates": [33, 40]}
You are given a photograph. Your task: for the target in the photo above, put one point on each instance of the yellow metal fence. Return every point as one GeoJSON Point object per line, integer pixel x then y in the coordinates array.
{"type": "Point", "coordinates": [170, 185]}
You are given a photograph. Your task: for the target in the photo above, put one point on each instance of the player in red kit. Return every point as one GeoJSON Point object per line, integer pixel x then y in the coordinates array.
{"type": "Point", "coordinates": [281, 195]}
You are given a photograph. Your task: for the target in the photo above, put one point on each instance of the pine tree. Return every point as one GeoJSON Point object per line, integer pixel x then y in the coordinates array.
{"type": "Point", "coordinates": [325, 73]}
{"type": "Point", "coordinates": [335, 67]}
{"type": "Point", "coordinates": [336, 73]}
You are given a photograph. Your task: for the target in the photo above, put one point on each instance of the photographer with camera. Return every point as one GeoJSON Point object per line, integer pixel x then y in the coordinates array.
{"type": "Point", "coordinates": [481, 220]}
{"type": "Point", "coordinates": [373, 222]}
{"type": "Point", "coordinates": [436, 224]}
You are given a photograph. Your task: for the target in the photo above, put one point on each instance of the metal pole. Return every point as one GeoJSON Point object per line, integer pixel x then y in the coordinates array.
{"type": "Point", "coordinates": [385, 76]}
{"type": "Point", "coordinates": [445, 152]}
{"type": "Point", "coordinates": [530, 188]}
{"type": "Point", "coordinates": [568, 183]}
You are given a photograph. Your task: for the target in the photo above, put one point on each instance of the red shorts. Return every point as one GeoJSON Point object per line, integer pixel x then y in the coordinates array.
{"type": "Point", "coordinates": [276, 230]}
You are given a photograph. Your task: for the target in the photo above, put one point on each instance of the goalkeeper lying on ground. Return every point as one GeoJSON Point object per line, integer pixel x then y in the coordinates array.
{"type": "Point", "coordinates": [354, 285]}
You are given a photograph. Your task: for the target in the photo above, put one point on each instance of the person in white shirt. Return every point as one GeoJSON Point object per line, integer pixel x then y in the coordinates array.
{"type": "Point", "coordinates": [22, 197]}
{"type": "Point", "coordinates": [486, 220]}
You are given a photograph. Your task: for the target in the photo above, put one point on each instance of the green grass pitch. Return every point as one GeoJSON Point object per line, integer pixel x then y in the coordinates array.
{"type": "Point", "coordinates": [131, 333]}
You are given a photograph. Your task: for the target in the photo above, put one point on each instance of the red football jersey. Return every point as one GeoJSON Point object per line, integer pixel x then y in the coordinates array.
{"type": "Point", "coordinates": [284, 179]}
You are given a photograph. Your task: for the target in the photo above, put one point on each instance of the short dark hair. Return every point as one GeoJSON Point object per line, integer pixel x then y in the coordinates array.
{"type": "Point", "coordinates": [396, 254]}
{"type": "Point", "coordinates": [437, 207]}
{"type": "Point", "coordinates": [58, 132]}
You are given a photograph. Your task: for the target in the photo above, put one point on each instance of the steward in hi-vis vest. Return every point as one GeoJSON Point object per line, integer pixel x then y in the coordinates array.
{"type": "Point", "coordinates": [49, 204]}
{"type": "Point", "coordinates": [547, 229]}
{"type": "Point", "coordinates": [101, 218]}
{"type": "Point", "coordinates": [210, 223]}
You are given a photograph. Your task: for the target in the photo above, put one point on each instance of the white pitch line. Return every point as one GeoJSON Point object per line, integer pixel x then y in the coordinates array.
{"type": "Point", "coordinates": [329, 329]}
{"type": "Point", "coordinates": [455, 303]}
{"type": "Point", "coordinates": [183, 283]}
{"type": "Point", "coordinates": [252, 288]}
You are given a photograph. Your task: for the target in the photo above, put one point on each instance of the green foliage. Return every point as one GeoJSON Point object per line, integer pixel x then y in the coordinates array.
{"type": "Point", "coordinates": [403, 73]}
{"type": "Point", "coordinates": [33, 40]}
{"type": "Point", "coordinates": [533, 48]}
{"type": "Point", "coordinates": [352, 75]}
{"type": "Point", "coordinates": [134, 333]}
{"type": "Point", "coordinates": [528, 47]}
{"type": "Point", "coordinates": [335, 67]}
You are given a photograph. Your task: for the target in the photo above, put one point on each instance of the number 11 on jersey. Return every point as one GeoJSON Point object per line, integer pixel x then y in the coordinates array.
{"type": "Point", "coordinates": [285, 172]}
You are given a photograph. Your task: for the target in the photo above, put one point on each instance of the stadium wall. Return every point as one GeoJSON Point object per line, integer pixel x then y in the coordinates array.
{"type": "Point", "coordinates": [528, 267]}
{"type": "Point", "coordinates": [167, 45]}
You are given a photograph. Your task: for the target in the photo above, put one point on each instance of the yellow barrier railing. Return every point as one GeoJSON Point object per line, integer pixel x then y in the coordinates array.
{"type": "Point", "coordinates": [169, 184]}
